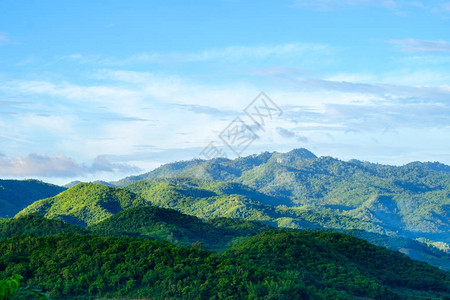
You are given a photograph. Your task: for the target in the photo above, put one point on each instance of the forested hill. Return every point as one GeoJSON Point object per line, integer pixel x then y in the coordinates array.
{"type": "Point", "coordinates": [15, 195]}
{"type": "Point", "coordinates": [85, 204]}
{"type": "Point", "coordinates": [276, 264]}
{"type": "Point", "coordinates": [411, 200]}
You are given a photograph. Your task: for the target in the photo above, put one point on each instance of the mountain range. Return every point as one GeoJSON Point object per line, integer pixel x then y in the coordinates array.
{"type": "Point", "coordinates": [222, 204]}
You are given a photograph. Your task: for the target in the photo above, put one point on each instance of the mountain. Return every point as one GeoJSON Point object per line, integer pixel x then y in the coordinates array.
{"type": "Point", "coordinates": [84, 204]}
{"type": "Point", "coordinates": [295, 190]}
{"type": "Point", "coordinates": [15, 195]}
{"type": "Point", "coordinates": [72, 183]}
{"type": "Point", "coordinates": [412, 248]}
{"type": "Point", "coordinates": [218, 168]}
{"type": "Point", "coordinates": [275, 264]}
{"type": "Point", "coordinates": [411, 200]}
{"type": "Point", "coordinates": [173, 226]}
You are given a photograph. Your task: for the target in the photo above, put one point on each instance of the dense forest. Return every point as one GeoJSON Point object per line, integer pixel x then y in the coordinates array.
{"type": "Point", "coordinates": [275, 264]}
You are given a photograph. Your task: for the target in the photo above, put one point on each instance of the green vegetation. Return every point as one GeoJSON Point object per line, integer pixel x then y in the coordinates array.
{"type": "Point", "coordinates": [292, 190]}
{"type": "Point", "coordinates": [15, 195]}
{"type": "Point", "coordinates": [36, 225]}
{"type": "Point", "coordinates": [84, 204]}
{"type": "Point", "coordinates": [177, 228]}
{"type": "Point", "coordinates": [10, 288]}
{"type": "Point", "coordinates": [273, 264]}
{"type": "Point", "coordinates": [410, 200]}
{"type": "Point", "coordinates": [112, 253]}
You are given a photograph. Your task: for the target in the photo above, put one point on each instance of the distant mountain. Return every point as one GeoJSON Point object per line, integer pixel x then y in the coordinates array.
{"type": "Point", "coordinates": [411, 200]}
{"type": "Point", "coordinates": [15, 195]}
{"type": "Point", "coordinates": [72, 183]}
{"type": "Point", "coordinates": [85, 204]}
{"type": "Point", "coordinates": [219, 168]}
{"type": "Point", "coordinates": [412, 248]}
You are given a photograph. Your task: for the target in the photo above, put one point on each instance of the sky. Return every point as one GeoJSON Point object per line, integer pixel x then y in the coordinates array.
{"type": "Point", "coordinates": [105, 89]}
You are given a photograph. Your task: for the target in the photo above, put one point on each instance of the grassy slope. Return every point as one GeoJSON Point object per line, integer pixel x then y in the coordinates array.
{"type": "Point", "coordinates": [85, 204]}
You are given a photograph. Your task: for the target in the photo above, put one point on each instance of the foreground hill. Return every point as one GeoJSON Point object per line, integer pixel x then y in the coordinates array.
{"type": "Point", "coordinates": [85, 204]}
{"type": "Point", "coordinates": [36, 225]}
{"type": "Point", "coordinates": [15, 195]}
{"type": "Point", "coordinates": [349, 263]}
{"type": "Point", "coordinates": [273, 265]}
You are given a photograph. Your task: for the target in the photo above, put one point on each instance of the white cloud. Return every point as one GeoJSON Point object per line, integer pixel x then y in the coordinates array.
{"type": "Point", "coordinates": [57, 165]}
{"type": "Point", "coordinates": [422, 46]}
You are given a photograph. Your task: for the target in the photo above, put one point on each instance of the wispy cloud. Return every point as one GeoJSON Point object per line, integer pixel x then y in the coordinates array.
{"type": "Point", "coordinates": [422, 46]}
{"type": "Point", "coordinates": [287, 133]}
{"type": "Point", "coordinates": [124, 119]}
{"type": "Point", "coordinates": [337, 4]}
{"type": "Point", "coordinates": [57, 165]}
{"type": "Point", "coordinates": [231, 53]}
{"type": "Point", "coordinates": [4, 39]}
{"type": "Point", "coordinates": [442, 8]}
{"type": "Point", "coordinates": [397, 6]}
{"type": "Point", "coordinates": [207, 110]}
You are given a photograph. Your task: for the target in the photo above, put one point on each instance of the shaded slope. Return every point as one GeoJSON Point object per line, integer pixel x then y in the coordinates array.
{"type": "Point", "coordinates": [15, 195]}
{"type": "Point", "coordinates": [36, 225]}
{"type": "Point", "coordinates": [167, 224]}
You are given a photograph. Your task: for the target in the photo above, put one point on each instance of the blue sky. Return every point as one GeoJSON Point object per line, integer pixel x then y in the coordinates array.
{"type": "Point", "coordinates": [104, 89]}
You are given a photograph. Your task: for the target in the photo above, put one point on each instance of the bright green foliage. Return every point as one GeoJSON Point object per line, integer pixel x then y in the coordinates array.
{"type": "Point", "coordinates": [85, 204]}
{"type": "Point", "coordinates": [18, 194]}
{"type": "Point", "coordinates": [10, 288]}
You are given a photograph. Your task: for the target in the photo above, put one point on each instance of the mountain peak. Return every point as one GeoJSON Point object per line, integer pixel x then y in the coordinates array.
{"type": "Point", "coordinates": [302, 153]}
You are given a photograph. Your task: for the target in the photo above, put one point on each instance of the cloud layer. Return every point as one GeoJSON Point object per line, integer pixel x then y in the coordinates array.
{"type": "Point", "coordinates": [57, 165]}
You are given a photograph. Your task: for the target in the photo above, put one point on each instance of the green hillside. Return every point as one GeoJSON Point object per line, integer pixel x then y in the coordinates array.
{"type": "Point", "coordinates": [15, 195]}
{"type": "Point", "coordinates": [342, 262]}
{"type": "Point", "coordinates": [410, 200]}
{"type": "Point", "coordinates": [412, 248]}
{"type": "Point", "coordinates": [175, 227]}
{"type": "Point", "coordinates": [36, 225]}
{"type": "Point", "coordinates": [84, 204]}
{"type": "Point", "coordinates": [271, 265]}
